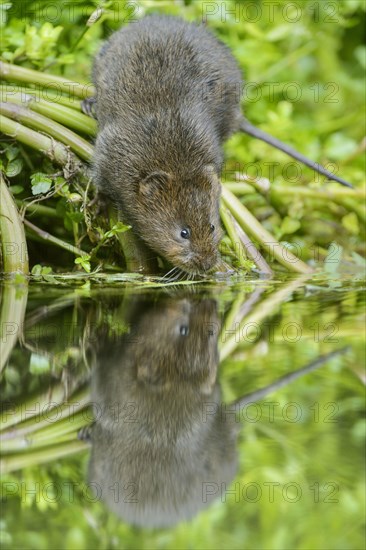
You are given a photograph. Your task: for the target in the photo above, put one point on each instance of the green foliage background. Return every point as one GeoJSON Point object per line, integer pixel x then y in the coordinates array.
{"type": "Point", "coordinates": [304, 66]}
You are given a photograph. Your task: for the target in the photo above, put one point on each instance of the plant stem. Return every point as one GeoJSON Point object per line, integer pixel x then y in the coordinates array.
{"type": "Point", "coordinates": [13, 306]}
{"type": "Point", "coordinates": [37, 208]}
{"type": "Point", "coordinates": [252, 251]}
{"type": "Point", "coordinates": [39, 122]}
{"type": "Point", "coordinates": [55, 240]}
{"type": "Point", "coordinates": [239, 188]}
{"type": "Point", "coordinates": [251, 225]}
{"type": "Point", "coordinates": [13, 241]}
{"type": "Point", "coordinates": [227, 220]}
{"type": "Point", "coordinates": [20, 74]}
{"type": "Point", "coordinates": [54, 150]}
{"type": "Point", "coordinates": [22, 93]}
{"type": "Point", "coordinates": [323, 194]}
{"type": "Point", "coordinates": [137, 255]}
{"type": "Point", "coordinates": [65, 115]}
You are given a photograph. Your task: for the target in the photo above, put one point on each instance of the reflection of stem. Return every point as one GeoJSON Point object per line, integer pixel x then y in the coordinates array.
{"type": "Point", "coordinates": [46, 311]}
{"type": "Point", "coordinates": [288, 378]}
{"type": "Point", "coordinates": [32, 406]}
{"type": "Point", "coordinates": [13, 306]}
{"type": "Point", "coordinates": [240, 309]}
{"type": "Point", "coordinates": [21, 460]}
{"type": "Point", "coordinates": [14, 259]}
{"type": "Point", "coordinates": [264, 309]}
{"type": "Point", "coordinates": [48, 434]}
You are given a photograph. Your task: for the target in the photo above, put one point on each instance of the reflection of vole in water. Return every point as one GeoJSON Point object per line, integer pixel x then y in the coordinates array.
{"type": "Point", "coordinates": [167, 97]}
{"type": "Point", "coordinates": [152, 440]}
{"type": "Point", "coordinates": [163, 444]}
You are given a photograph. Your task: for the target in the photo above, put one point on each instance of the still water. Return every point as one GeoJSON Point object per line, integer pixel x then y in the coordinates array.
{"type": "Point", "coordinates": [218, 416]}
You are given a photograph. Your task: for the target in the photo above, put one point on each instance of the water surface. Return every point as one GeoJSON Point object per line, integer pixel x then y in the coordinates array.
{"type": "Point", "coordinates": [181, 418]}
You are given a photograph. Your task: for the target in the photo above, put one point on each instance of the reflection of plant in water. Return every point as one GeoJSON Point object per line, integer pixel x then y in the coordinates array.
{"type": "Point", "coordinates": [271, 449]}
{"type": "Point", "coordinates": [64, 350]}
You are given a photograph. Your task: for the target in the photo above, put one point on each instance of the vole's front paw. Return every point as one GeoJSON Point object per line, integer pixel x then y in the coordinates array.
{"type": "Point", "coordinates": [85, 433]}
{"type": "Point", "coordinates": [88, 106]}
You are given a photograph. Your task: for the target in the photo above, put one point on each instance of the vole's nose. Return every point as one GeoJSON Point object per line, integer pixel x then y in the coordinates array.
{"type": "Point", "coordinates": [206, 264]}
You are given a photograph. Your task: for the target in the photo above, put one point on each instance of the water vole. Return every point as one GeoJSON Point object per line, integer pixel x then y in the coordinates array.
{"type": "Point", "coordinates": [167, 97]}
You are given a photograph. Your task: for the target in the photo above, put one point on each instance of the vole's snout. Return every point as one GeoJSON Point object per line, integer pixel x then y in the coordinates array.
{"type": "Point", "coordinates": [206, 263]}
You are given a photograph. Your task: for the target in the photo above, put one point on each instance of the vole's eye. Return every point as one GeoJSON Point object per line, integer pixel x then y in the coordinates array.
{"type": "Point", "coordinates": [212, 228]}
{"type": "Point", "coordinates": [183, 330]}
{"type": "Point", "coordinates": [185, 233]}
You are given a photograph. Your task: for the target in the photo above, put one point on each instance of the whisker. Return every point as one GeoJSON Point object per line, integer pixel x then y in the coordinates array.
{"type": "Point", "coordinates": [170, 272]}
{"type": "Point", "coordinates": [182, 275]}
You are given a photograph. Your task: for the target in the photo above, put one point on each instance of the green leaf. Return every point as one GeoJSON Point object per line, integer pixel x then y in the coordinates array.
{"type": "Point", "coordinates": [338, 146]}
{"type": "Point", "coordinates": [16, 189]}
{"type": "Point", "coordinates": [84, 262]}
{"type": "Point", "coordinates": [360, 55]}
{"type": "Point", "coordinates": [75, 216]}
{"type": "Point", "coordinates": [359, 260]}
{"type": "Point", "coordinates": [119, 227]}
{"type": "Point", "coordinates": [333, 259]}
{"type": "Point", "coordinates": [289, 226]}
{"type": "Point", "coordinates": [3, 15]}
{"type": "Point", "coordinates": [36, 270]}
{"type": "Point", "coordinates": [11, 152]}
{"type": "Point", "coordinates": [41, 183]}
{"type": "Point", "coordinates": [39, 364]}
{"type": "Point", "coordinates": [350, 222]}
{"type": "Point", "coordinates": [14, 168]}
{"type": "Point", "coordinates": [59, 180]}
{"type": "Point", "coordinates": [43, 272]}
{"type": "Point", "coordinates": [279, 32]}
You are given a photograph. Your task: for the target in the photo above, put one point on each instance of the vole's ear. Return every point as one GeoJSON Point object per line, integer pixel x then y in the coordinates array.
{"type": "Point", "coordinates": [153, 182]}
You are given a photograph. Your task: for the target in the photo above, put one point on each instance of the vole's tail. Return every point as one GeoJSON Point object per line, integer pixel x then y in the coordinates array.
{"type": "Point", "coordinates": [248, 128]}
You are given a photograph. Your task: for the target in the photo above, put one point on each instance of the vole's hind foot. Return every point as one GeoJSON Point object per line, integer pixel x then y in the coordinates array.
{"type": "Point", "coordinates": [88, 106]}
